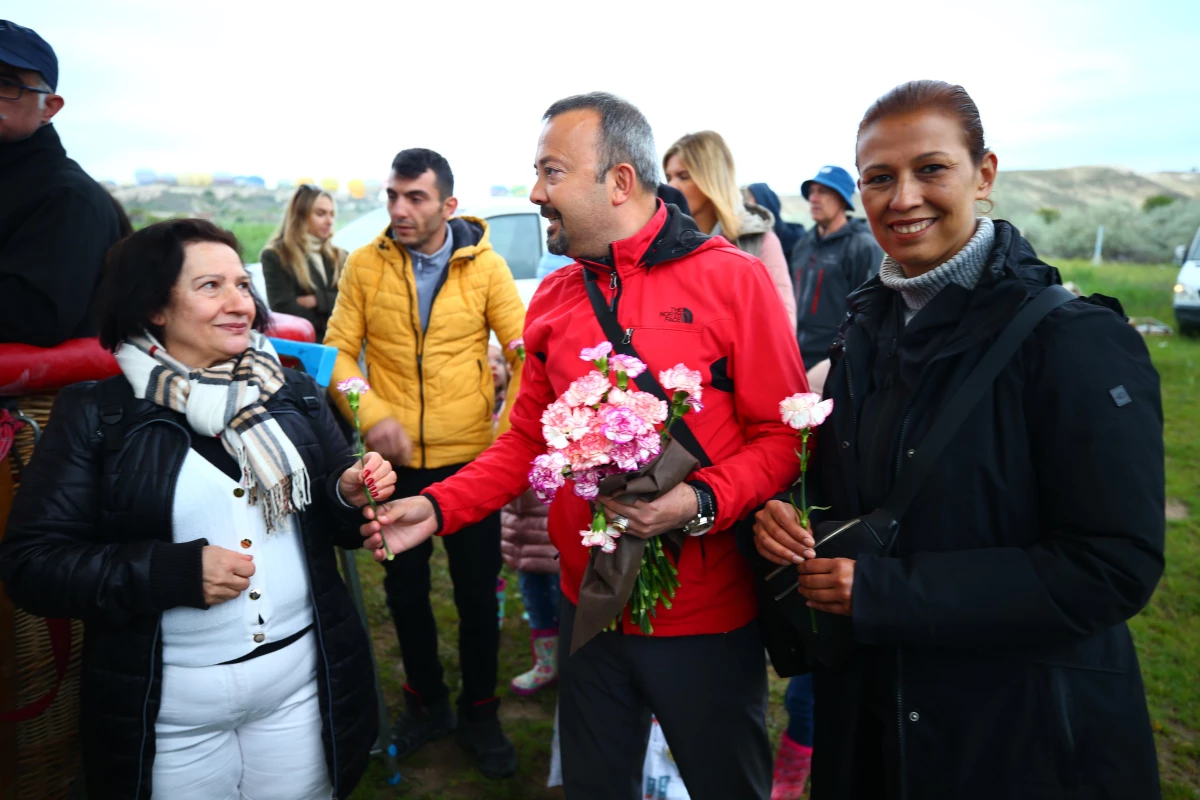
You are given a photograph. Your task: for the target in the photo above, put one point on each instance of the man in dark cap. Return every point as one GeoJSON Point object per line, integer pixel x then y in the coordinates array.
{"type": "Point", "coordinates": [838, 256]}
{"type": "Point", "coordinates": [56, 223]}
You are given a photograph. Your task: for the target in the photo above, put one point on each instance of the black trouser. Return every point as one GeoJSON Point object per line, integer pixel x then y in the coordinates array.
{"type": "Point", "coordinates": [474, 555]}
{"type": "Point", "coordinates": [709, 693]}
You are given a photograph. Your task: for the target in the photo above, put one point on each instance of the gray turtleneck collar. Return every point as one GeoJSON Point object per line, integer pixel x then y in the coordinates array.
{"type": "Point", "coordinates": [964, 269]}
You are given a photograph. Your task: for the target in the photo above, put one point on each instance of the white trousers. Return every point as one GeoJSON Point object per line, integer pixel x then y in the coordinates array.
{"type": "Point", "coordinates": [249, 731]}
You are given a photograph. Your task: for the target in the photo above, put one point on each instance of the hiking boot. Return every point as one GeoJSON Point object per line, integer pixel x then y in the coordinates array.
{"type": "Point", "coordinates": [545, 665]}
{"type": "Point", "coordinates": [421, 723]}
{"type": "Point", "coordinates": [480, 735]}
{"type": "Point", "coordinates": [792, 765]}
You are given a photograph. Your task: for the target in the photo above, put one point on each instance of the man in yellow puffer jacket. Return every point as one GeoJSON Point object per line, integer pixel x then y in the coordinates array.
{"type": "Point", "coordinates": [422, 299]}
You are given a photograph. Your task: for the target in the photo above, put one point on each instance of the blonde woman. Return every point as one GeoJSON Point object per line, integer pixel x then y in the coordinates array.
{"type": "Point", "coordinates": [701, 166]}
{"type": "Point", "coordinates": [300, 264]}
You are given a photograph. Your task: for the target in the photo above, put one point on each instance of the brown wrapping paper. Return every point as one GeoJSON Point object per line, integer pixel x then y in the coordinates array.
{"type": "Point", "coordinates": [610, 577]}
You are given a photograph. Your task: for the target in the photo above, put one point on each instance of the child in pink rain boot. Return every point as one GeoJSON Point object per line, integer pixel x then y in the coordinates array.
{"type": "Point", "coordinates": [793, 762]}
{"type": "Point", "coordinates": [527, 549]}
{"type": "Point", "coordinates": [525, 545]}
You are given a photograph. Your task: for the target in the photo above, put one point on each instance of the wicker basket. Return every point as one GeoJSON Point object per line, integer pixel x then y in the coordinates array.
{"type": "Point", "coordinates": [39, 758]}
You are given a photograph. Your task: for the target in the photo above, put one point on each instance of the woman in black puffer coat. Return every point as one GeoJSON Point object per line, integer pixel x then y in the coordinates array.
{"type": "Point", "coordinates": [201, 563]}
{"type": "Point", "coordinates": [991, 656]}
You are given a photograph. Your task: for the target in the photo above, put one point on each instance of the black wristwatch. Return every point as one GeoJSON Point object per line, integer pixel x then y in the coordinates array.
{"type": "Point", "coordinates": [706, 513]}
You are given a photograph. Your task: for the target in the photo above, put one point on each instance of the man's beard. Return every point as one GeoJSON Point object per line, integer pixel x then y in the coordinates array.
{"type": "Point", "coordinates": [557, 244]}
{"type": "Point", "coordinates": [419, 237]}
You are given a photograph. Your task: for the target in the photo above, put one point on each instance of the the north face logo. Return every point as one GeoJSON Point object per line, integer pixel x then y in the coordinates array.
{"type": "Point", "coordinates": [677, 315]}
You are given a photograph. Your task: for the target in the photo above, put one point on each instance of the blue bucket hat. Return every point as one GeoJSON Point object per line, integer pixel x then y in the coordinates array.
{"type": "Point", "coordinates": [22, 48]}
{"type": "Point", "coordinates": [835, 178]}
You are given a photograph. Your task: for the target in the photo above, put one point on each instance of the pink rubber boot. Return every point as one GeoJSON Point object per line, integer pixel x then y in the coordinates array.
{"type": "Point", "coordinates": [792, 765]}
{"type": "Point", "coordinates": [545, 664]}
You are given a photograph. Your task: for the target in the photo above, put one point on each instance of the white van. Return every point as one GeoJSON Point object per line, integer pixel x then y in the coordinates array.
{"type": "Point", "coordinates": [1187, 288]}
{"type": "Point", "coordinates": [516, 228]}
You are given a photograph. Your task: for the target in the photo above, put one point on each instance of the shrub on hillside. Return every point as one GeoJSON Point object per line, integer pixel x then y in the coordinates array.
{"type": "Point", "coordinates": [1129, 234]}
{"type": "Point", "coordinates": [1157, 201]}
{"type": "Point", "coordinates": [1049, 214]}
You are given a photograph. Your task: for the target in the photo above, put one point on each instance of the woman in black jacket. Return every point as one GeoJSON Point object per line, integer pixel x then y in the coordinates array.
{"type": "Point", "coordinates": [991, 656]}
{"type": "Point", "coordinates": [185, 511]}
{"type": "Point", "coordinates": [301, 267]}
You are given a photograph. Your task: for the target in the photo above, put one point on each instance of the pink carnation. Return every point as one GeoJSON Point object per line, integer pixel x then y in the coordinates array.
{"type": "Point", "coordinates": [516, 344]}
{"type": "Point", "coordinates": [596, 353]}
{"type": "Point", "coordinates": [805, 410]}
{"type": "Point", "coordinates": [620, 424]}
{"type": "Point", "coordinates": [625, 455]}
{"type": "Point", "coordinates": [681, 379]}
{"type": "Point", "coordinates": [587, 485]}
{"type": "Point", "coordinates": [561, 423]}
{"type": "Point", "coordinates": [628, 364]}
{"type": "Point", "coordinates": [546, 477]}
{"type": "Point", "coordinates": [649, 445]}
{"type": "Point", "coordinates": [645, 406]}
{"type": "Point", "coordinates": [606, 540]}
{"type": "Point", "coordinates": [588, 390]}
{"type": "Point", "coordinates": [631, 455]}
{"type": "Point", "coordinates": [590, 451]}
{"type": "Point", "coordinates": [355, 385]}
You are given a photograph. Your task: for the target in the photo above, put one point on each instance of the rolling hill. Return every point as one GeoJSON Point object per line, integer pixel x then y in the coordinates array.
{"type": "Point", "coordinates": [1019, 193]}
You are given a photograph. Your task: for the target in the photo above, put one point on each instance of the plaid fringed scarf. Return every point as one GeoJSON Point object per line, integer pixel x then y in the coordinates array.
{"type": "Point", "coordinates": [227, 401]}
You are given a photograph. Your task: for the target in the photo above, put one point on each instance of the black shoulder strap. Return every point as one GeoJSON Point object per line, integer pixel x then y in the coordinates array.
{"type": "Point", "coordinates": [968, 395]}
{"type": "Point", "coordinates": [305, 390]}
{"type": "Point", "coordinates": [646, 381]}
{"type": "Point", "coordinates": [113, 395]}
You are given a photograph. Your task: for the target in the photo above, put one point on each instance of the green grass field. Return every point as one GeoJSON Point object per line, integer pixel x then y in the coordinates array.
{"type": "Point", "coordinates": [1167, 632]}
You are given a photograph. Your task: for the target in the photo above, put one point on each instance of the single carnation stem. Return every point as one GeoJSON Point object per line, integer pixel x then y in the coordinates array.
{"type": "Point", "coordinates": [804, 500]}
{"type": "Point", "coordinates": [362, 459]}
{"type": "Point", "coordinates": [804, 474]}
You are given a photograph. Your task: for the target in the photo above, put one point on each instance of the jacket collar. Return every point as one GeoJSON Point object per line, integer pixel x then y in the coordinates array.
{"type": "Point", "coordinates": [670, 234]}
{"type": "Point", "coordinates": [853, 225]}
{"type": "Point", "coordinates": [470, 239]}
{"type": "Point", "coordinates": [1013, 273]}
{"type": "Point", "coordinates": [44, 145]}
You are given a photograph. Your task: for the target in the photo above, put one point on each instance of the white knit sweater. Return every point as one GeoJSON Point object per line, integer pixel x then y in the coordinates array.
{"type": "Point", "coordinates": [212, 506]}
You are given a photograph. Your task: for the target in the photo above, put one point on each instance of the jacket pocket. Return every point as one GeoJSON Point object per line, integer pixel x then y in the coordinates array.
{"type": "Point", "coordinates": [489, 403]}
{"type": "Point", "coordinates": [664, 346]}
{"type": "Point", "coordinates": [1060, 693]}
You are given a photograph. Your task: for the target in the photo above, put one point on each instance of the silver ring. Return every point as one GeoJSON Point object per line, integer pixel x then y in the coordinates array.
{"type": "Point", "coordinates": [621, 524]}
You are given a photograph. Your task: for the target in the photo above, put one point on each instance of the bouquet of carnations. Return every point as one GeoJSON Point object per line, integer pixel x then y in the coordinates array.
{"type": "Point", "coordinates": [606, 437]}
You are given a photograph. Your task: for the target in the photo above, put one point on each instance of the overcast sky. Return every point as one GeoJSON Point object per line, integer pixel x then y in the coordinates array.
{"type": "Point", "coordinates": [335, 89]}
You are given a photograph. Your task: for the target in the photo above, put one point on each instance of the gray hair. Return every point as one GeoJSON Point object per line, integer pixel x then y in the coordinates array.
{"type": "Point", "coordinates": [40, 83]}
{"type": "Point", "coordinates": [625, 135]}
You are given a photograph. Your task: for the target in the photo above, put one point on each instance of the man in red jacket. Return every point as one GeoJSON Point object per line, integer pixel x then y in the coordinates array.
{"type": "Point", "coordinates": [679, 296]}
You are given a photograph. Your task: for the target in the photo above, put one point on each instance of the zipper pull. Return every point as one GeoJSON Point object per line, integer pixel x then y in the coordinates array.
{"type": "Point", "coordinates": [628, 336]}
{"type": "Point", "coordinates": [612, 283]}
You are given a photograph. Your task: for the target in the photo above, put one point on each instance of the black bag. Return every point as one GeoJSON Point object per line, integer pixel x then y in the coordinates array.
{"type": "Point", "coordinates": [829, 638]}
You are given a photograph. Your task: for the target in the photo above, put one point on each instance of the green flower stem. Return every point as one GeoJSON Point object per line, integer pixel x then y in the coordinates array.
{"type": "Point", "coordinates": [362, 459]}
{"type": "Point", "coordinates": [802, 511]}
{"type": "Point", "coordinates": [655, 583]}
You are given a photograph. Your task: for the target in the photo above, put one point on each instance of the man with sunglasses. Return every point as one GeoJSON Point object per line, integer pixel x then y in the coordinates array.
{"type": "Point", "coordinates": [56, 223]}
